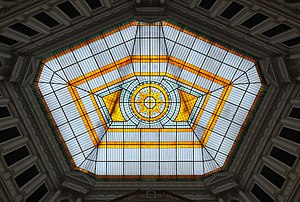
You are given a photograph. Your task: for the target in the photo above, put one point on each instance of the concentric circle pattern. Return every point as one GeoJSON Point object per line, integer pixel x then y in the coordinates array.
{"type": "Point", "coordinates": [149, 100]}
{"type": "Point", "coordinates": [149, 104]}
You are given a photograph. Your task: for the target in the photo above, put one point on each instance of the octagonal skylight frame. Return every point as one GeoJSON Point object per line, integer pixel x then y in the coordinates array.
{"type": "Point", "coordinates": [178, 48]}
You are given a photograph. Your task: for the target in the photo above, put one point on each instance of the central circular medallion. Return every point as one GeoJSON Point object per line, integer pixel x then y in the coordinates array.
{"type": "Point", "coordinates": [149, 102]}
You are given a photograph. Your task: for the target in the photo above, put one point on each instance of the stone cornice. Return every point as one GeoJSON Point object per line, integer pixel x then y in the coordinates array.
{"type": "Point", "coordinates": [153, 195]}
{"type": "Point", "coordinates": [259, 133]}
{"type": "Point", "coordinates": [274, 70]}
{"type": "Point", "coordinates": [78, 182]}
{"type": "Point", "coordinates": [90, 24]}
{"type": "Point", "coordinates": [23, 6]}
{"type": "Point", "coordinates": [78, 31]}
{"type": "Point", "coordinates": [278, 7]}
{"type": "Point", "coordinates": [171, 185]}
{"type": "Point", "coordinates": [291, 189]}
{"type": "Point", "coordinates": [220, 183]}
{"type": "Point", "coordinates": [8, 189]}
{"type": "Point", "coordinates": [108, 190]}
{"type": "Point", "coordinates": [222, 32]}
{"type": "Point", "coordinates": [39, 131]}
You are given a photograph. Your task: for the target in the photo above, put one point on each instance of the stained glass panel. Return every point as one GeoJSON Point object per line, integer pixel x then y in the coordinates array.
{"type": "Point", "coordinates": [149, 100]}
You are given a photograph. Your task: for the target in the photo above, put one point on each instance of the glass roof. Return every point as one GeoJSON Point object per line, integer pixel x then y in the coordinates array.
{"type": "Point", "coordinates": [149, 100]}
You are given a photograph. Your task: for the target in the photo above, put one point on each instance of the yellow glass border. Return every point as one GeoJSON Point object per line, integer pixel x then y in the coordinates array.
{"type": "Point", "coordinates": [134, 23]}
{"type": "Point", "coordinates": [191, 68]}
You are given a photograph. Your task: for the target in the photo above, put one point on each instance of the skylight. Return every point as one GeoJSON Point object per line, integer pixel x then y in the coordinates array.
{"type": "Point", "coordinates": [149, 100]}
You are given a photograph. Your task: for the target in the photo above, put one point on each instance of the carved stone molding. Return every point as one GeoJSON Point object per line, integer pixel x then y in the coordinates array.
{"type": "Point", "coordinates": [5, 5]}
{"type": "Point", "coordinates": [149, 10]}
{"type": "Point", "coordinates": [220, 183]}
{"type": "Point", "coordinates": [27, 108]}
{"type": "Point", "coordinates": [274, 70]}
{"type": "Point", "coordinates": [268, 72]}
{"type": "Point", "coordinates": [78, 31]}
{"type": "Point", "coordinates": [31, 71]}
{"type": "Point", "coordinates": [220, 31]}
{"type": "Point", "coordinates": [293, 5]}
{"type": "Point", "coordinates": [6, 63]}
{"type": "Point", "coordinates": [78, 182]}
{"type": "Point", "coordinates": [108, 190]}
{"type": "Point", "coordinates": [151, 195]}
{"type": "Point", "coordinates": [20, 65]}
{"type": "Point", "coordinates": [281, 6]}
{"type": "Point", "coordinates": [260, 133]}
{"type": "Point", "coordinates": [24, 70]}
{"type": "Point", "coordinates": [293, 65]}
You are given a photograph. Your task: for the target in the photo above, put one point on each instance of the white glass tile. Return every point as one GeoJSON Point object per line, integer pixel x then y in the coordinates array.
{"type": "Point", "coordinates": [93, 70]}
